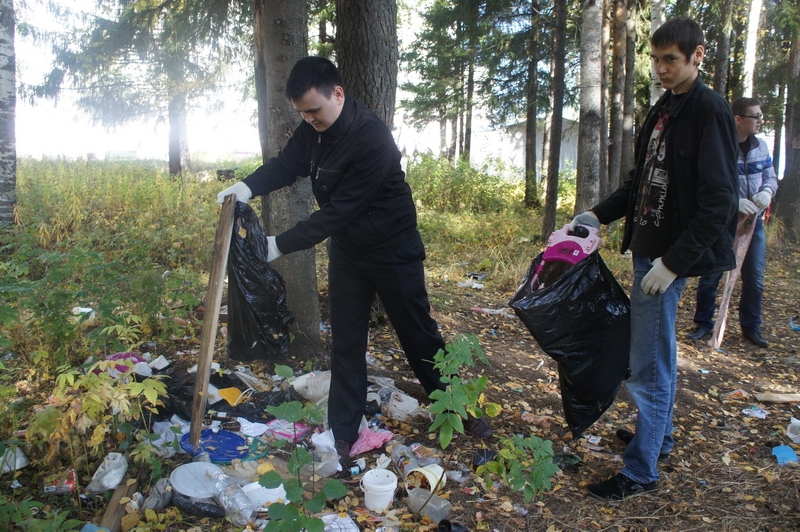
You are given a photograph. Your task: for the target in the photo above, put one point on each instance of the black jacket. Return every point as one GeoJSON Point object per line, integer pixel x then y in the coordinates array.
{"type": "Point", "coordinates": [364, 201]}
{"type": "Point", "coordinates": [703, 186]}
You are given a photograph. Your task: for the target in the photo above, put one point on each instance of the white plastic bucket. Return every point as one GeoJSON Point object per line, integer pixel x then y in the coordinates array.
{"type": "Point", "coordinates": [428, 477]}
{"type": "Point", "coordinates": [379, 486]}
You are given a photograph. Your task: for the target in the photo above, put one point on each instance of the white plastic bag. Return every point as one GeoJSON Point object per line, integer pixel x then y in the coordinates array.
{"type": "Point", "coordinates": [109, 474]}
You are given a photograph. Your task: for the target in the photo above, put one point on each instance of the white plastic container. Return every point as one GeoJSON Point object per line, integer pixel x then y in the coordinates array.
{"type": "Point", "coordinates": [430, 477]}
{"type": "Point", "coordinates": [379, 486]}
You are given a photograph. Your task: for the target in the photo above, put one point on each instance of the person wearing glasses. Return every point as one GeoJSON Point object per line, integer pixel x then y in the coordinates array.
{"type": "Point", "coordinates": [757, 187]}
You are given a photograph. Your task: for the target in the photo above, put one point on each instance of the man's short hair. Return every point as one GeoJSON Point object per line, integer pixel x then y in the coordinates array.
{"type": "Point", "coordinates": [739, 106]}
{"type": "Point", "coordinates": [683, 31]}
{"type": "Point", "coordinates": [312, 73]}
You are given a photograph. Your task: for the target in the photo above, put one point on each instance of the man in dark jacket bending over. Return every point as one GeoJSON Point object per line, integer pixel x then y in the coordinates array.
{"type": "Point", "coordinates": [680, 218]}
{"type": "Point", "coordinates": [367, 213]}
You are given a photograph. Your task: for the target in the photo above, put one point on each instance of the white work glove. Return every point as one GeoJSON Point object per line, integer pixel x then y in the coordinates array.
{"type": "Point", "coordinates": [747, 207]}
{"type": "Point", "coordinates": [585, 218]}
{"type": "Point", "coordinates": [242, 191]}
{"type": "Point", "coordinates": [272, 249]}
{"type": "Point", "coordinates": [762, 199]}
{"type": "Point", "coordinates": [658, 279]}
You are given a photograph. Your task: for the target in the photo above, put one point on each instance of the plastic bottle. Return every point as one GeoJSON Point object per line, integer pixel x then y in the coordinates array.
{"type": "Point", "coordinates": [436, 509]}
{"type": "Point", "coordinates": [403, 459]}
{"type": "Point", "coordinates": [238, 506]}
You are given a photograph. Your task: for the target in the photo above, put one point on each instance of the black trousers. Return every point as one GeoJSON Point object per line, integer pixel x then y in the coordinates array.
{"type": "Point", "coordinates": [397, 276]}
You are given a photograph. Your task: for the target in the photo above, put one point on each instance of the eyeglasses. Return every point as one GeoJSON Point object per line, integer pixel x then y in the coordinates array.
{"type": "Point", "coordinates": [759, 116]}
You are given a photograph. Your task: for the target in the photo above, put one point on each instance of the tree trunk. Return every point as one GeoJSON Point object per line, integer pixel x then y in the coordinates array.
{"type": "Point", "coordinates": [617, 94]}
{"type": "Point", "coordinates": [753, 18]}
{"type": "Point", "coordinates": [468, 110]}
{"type": "Point", "coordinates": [788, 203]}
{"type": "Point", "coordinates": [723, 47]}
{"type": "Point", "coordinates": [176, 110]}
{"type": "Point", "coordinates": [366, 45]}
{"type": "Point", "coordinates": [8, 105]}
{"type": "Point", "coordinates": [626, 159]}
{"type": "Point", "coordinates": [588, 179]}
{"type": "Point", "coordinates": [656, 20]}
{"type": "Point", "coordinates": [531, 184]}
{"type": "Point", "coordinates": [281, 40]}
{"type": "Point", "coordinates": [559, 60]}
{"type": "Point", "coordinates": [777, 149]}
{"type": "Point", "coordinates": [602, 178]}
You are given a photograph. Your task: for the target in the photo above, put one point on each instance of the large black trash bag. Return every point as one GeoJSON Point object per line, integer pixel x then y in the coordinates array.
{"type": "Point", "coordinates": [582, 321]}
{"type": "Point", "coordinates": [258, 316]}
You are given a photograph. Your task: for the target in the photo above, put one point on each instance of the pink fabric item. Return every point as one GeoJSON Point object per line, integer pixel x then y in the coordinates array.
{"type": "Point", "coordinates": [368, 439]}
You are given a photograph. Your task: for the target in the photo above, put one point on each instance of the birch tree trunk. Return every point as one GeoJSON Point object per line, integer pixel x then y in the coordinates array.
{"type": "Point", "coordinates": [657, 18]}
{"type": "Point", "coordinates": [280, 41]}
{"type": "Point", "coordinates": [788, 201]}
{"type": "Point", "coordinates": [617, 96]}
{"type": "Point", "coordinates": [753, 19]}
{"type": "Point", "coordinates": [588, 179]}
{"type": "Point", "coordinates": [626, 159]}
{"type": "Point", "coordinates": [723, 47]}
{"type": "Point", "coordinates": [8, 105]}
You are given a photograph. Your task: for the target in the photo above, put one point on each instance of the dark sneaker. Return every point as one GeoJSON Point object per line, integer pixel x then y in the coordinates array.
{"type": "Point", "coordinates": [618, 487]}
{"type": "Point", "coordinates": [343, 450]}
{"type": "Point", "coordinates": [700, 332]}
{"type": "Point", "coordinates": [755, 338]}
{"type": "Point", "coordinates": [625, 436]}
{"type": "Point", "coordinates": [478, 427]}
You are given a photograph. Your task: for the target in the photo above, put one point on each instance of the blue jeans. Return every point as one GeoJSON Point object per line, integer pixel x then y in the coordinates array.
{"type": "Point", "coordinates": [752, 286]}
{"type": "Point", "coordinates": [654, 371]}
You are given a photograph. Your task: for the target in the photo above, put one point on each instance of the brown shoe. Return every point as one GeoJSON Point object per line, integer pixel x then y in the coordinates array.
{"type": "Point", "coordinates": [343, 450]}
{"type": "Point", "coordinates": [478, 427]}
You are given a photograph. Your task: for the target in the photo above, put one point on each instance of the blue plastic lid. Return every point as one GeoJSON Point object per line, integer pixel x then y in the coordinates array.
{"type": "Point", "coordinates": [222, 446]}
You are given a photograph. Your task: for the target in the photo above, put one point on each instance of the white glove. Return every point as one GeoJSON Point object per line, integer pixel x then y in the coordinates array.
{"type": "Point", "coordinates": [242, 191]}
{"type": "Point", "coordinates": [658, 279]}
{"type": "Point", "coordinates": [585, 218]}
{"type": "Point", "coordinates": [747, 207]}
{"type": "Point", "coordinates": [272, 249]}
{"type": "Point", "coordinates": [762, 199]}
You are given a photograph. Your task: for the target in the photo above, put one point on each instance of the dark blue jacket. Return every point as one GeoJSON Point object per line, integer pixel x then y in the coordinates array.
{"type": "Point", "coordinates": [701, 157]}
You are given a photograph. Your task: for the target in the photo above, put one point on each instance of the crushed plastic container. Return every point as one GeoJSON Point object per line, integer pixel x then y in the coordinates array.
{"type": "Point", "coordinates": [238, 506]}
{"type": "Point", "coordinates": [436, 508]}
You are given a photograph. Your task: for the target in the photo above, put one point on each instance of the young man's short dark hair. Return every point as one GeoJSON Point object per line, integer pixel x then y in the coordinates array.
{"type": "Point", "coordinates": [684, 32]}
{"type": "Point", "coordinates": [740, 105]}
{"type": "Point", "coordinates": [312, 73]}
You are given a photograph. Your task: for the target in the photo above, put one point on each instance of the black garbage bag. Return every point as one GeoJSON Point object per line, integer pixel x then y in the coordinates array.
{"type": "Point", "coordinates": [258, 315]}
{"type": "Point", "coordinates": [582, 321]}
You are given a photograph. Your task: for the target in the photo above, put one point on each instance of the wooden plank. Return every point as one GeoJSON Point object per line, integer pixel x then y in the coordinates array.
{"type": "Point", "coordinates": [208, 334]}
{"type": "Point", "coordinates": [116, 511]}
{"type": "Point", "coordinates": [744, 232]}
{"type": "Point", "coordinates": [778, 397]}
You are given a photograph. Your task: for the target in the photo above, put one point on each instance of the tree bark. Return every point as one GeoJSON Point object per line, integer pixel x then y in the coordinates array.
{"type": "Point", "coordinates": [788, 202]}
{"type": "Point", "coordinates": [602, 178]}
{"type": "Point", "coordinates": [366, 45]}
{"type": "Point", "coordinates": [777, 149]}
{"type": "Point", "coordinates": [751, 42]}
{"type": "Point", "coordinates": [588, 179]}
{"type": "Point", "coordinates": [559, 60]}
{"type": "Point", "coordinates": [531, 184]}
{"type": "Point", "coordinates": [617, 94]}
{"type": "Point", "coordinates": [8, 105]}
{"type": "Point", "coordinates": [723, 47]}
{"type": "Point", "coordinates": [281, 40]}
{"type": "Point", "coordinates": [176, 110]}
{"type": "Point", "coordinates": [656, 20]}
{"type": "Point", "coordinates": [626, 159]}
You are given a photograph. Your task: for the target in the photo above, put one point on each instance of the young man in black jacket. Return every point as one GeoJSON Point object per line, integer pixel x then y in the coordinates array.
{"type": "Point", "coordinates": [368, 216]}
{"type": "Point", "coordinates": [680, 209]}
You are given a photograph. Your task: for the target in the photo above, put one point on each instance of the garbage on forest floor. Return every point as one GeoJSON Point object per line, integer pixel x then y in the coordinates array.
{"type": "Point", "coordinates": [755, 411]}
{"type": "Point", "coordinates": [784, 454]}
{"type": "Point", "coordinates": [109, 474]}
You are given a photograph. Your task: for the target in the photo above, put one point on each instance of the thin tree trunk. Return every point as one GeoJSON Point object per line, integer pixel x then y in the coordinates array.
{"type": "Point", "coordinates": [588, 189]}
{"type": "Point", "coordinates": [777, 148]}
{"type": "Point", "coordinates": [468, 111]}
{"type": "Point", "coordinates": [753, 18]}
{"type": "Point", "coordinates": [559, 60]}
{"type": "Point", "coordinates": [617, 93]}
{"type": "Point", "coordinates": [626, 159]}
{"type": "Point", "coordinates": [279, 51]}
{"type": "Point", "coordinates": [656, 20]}
{"type": "Point", "coordinates": [366, 46]}
{"type": "Point", "coordinates": [8, 105]}
{"type": "Point", "coordinates": [723, 47]}
{"type": "Point", "coordinates": [531, 184]}
{"type": "Point", "coordinates": [788, 203]}
{"type": "Point", "coordinates": [604, 187]}
{"type": "Point", "coordinates": [176, 113]}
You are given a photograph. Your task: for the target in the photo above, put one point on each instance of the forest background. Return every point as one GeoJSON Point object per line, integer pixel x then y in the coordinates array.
{"type": "Point", "coordinates": [515, 63]}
